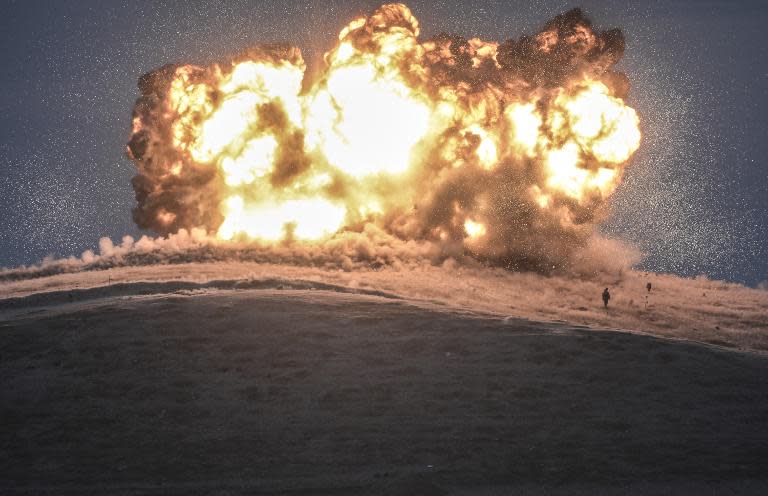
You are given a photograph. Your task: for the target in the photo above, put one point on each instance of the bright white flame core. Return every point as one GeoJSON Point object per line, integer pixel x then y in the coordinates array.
{"type": "Point", "coordinates": [366, 125]}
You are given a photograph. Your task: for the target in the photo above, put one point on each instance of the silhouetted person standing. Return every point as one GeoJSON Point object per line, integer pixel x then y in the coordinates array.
{"type": "Point", "coordinates": [606, 297]}
{"type": "Point", "coordinates": [648, 287]}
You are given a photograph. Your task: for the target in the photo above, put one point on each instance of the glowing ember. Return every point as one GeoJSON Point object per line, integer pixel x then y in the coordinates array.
{"type": "Point", "coordinates": [419, 138]}
{"type": "Point", "coordinates": [474, 229]}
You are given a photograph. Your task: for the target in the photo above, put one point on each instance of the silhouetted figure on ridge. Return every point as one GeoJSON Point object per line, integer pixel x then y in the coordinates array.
{"type": "Point", "coordinates": [606, 297]}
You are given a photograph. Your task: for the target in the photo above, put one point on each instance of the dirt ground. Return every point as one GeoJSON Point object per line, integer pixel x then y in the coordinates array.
{"type": "Point", "coordinates": [318, 390]}
{"type": "Point", "coordinates": [702, 310]}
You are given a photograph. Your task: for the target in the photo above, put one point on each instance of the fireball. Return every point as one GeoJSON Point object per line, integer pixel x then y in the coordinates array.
{"type": "Point", "coordinates": [420, 138]}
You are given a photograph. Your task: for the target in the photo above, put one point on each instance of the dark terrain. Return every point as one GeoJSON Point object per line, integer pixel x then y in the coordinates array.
{"type": "Point", "coordinates": [319, 392]}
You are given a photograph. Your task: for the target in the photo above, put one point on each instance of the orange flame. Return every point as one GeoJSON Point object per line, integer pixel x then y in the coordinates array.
{"type": "Point", "coordinates": [383, 119]}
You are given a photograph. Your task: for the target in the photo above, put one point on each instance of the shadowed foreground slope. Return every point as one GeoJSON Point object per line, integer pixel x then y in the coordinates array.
{"type": "Point", "coordinates": [298, 391]}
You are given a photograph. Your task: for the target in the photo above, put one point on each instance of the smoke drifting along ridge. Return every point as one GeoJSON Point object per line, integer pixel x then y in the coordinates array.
{"type": "Point", "coordinates": [506, 151]}
{"type": "Point", "coordinates": [370, 250]}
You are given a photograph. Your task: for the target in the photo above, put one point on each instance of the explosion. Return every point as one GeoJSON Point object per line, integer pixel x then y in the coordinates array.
{"type": "Point", "coordinates": [507, 151]}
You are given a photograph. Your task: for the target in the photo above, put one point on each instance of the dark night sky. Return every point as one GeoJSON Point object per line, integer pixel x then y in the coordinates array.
{"type": "Point", "coordinates": [695, 198]}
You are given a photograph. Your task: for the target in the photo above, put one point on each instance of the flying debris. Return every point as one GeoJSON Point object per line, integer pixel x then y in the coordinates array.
{"type": "Point", "coordinates": [507, 151]}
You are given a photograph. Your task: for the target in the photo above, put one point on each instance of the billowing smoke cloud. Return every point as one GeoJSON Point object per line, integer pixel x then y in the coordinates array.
{"type": "Point", "coordinates": [505, 151]}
